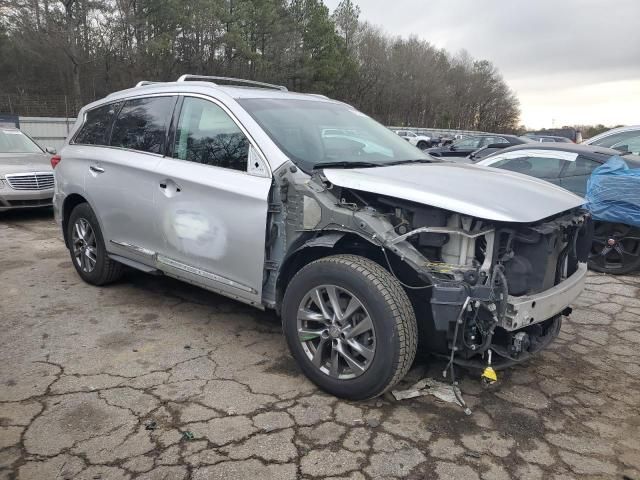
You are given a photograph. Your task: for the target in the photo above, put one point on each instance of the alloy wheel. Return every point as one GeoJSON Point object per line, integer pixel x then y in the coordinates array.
{"type": "Point", "coordinates": [336, 332]}
{"type": "Point", "coordinates": [615, 246]}
{"type": "Point", "coordinates": [83, 241]}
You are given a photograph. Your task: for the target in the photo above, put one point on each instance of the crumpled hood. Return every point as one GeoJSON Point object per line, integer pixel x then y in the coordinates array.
{"type": "Point", "coordinates": [481, 192]}
{"type": "Point", "coordinates": [24, 163]}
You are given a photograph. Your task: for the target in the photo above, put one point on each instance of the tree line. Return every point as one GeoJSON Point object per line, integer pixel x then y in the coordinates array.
{"type": "Point", "coordinates": [85, 49]}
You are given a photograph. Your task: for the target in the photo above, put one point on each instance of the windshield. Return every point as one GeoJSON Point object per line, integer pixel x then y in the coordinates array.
{"type": "Point", "coordinates": [314, 133]}
{"type": "Point", "coordinates": [14, 141]}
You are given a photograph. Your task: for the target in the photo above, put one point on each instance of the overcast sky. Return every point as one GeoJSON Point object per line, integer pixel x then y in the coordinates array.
{"type": "Point", "coordinates": [569, 61]}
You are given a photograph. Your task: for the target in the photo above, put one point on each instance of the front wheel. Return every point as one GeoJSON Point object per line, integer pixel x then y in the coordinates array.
{"type": "Point", "coordinates": [422, 145]}
{"type": "Point", "coordinates": [615, 248]}
{"type": "Point", "coordinates": [350, 326]}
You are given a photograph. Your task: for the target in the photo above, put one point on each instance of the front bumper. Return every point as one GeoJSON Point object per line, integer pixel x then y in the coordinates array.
{"type": "Point", "coordinates": [15, 199]}
{"type": "Point", "coordinates": [531, 309]}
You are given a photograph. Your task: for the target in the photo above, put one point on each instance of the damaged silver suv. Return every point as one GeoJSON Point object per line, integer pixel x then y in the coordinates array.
{"type": "Point", "coordinates": [368, 249]}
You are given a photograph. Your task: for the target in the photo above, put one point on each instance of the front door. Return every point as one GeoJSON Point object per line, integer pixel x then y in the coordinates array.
{"type": "Point", "coordinates": [210, 211]}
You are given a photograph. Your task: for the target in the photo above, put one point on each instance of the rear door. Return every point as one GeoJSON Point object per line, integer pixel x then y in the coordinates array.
{"type": "Point", "coordinates": [211, 206]}
{"type": "Point", "coordinates": [121, 179]}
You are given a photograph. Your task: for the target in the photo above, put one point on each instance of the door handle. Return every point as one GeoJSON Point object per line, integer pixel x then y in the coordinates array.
{"type": "Point", "coordinates": [95, 169]}
{"type": "Point", "coordinates": [170, 186]}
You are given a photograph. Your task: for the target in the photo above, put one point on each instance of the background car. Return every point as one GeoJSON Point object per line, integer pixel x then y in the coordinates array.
{"type": "Point", "coordinates": [419, 140]}
{"type": "Point", "coordinates": [492, 148]}
{"type": "Point", "coordinates": [616, 246]}
{"type": "Point", "coordinates": [467, 145]}
{"type": "Point", "coordinates": [26, 176]}
{"type": "Point", "coordinates": [623, 139]}
{"type": "Point", "coordinates": [547, 138]}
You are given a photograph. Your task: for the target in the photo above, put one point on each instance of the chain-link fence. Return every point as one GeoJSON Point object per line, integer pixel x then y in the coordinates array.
{"type": "Point", "coordinates": [41, 105]}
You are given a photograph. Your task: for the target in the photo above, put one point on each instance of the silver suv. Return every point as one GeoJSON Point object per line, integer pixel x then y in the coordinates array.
{"type": "Point", "coordinates": [366, 247]}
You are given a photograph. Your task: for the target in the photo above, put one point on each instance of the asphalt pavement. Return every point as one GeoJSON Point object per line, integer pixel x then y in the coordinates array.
{"type": "Point", "coordinates": [154, 379]}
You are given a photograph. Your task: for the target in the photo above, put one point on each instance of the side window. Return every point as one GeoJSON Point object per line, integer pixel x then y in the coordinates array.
{"type": "Point", "coordinates": [207, 135]}
{"type": "Point", "coordinates": [581, 167]}
{"type": "Point", "coordinates": [97, 125]}
{"type": "Point", "coordinates": [142, 124]}
{"type": "Point", "coordinates": [539, 167]}
{"type": "Point", "coordinates": [576, 174]}
{"type": "Point", "coordinates": [630, 144]}
{"type": "Point", "coordinates": [487, 141]}
{"type": "Point", "coordinates": [617, 139]}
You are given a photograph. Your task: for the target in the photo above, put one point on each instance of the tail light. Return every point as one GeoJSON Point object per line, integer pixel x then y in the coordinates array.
{"type": "Point", "coordinates": [55, 160]}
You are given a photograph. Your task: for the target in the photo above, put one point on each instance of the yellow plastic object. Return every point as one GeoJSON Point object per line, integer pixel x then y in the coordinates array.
{"type": "Point", "coordinates": [489, 375]}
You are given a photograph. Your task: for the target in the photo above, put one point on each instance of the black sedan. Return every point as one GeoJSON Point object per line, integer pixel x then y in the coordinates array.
{"type": "Point", "coordinates": [477, 145]}
{"type": "Point", "coordinates": [616, 246]}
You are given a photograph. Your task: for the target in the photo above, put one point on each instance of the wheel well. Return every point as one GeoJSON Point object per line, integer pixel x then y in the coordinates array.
{"type": "Point", "coordinates": [348, 244]}
{"type": "Point", "coordinates": [71, 202]}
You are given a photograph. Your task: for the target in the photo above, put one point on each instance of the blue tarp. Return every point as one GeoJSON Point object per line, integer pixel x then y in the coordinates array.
{"type": "Point", "coordinates": [613, 192]}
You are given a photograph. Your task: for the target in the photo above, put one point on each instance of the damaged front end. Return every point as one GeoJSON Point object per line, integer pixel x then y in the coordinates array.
{"type": "Point", "coordinates": [476, 285]}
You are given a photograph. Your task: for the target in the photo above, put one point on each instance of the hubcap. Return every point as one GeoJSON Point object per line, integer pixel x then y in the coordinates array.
{"type": "Point", "coordinates": [615, 245]}
{"type": "Point", "coordinates": [83, 242]}
{"type": "Point", "coordinates": [336, 332]}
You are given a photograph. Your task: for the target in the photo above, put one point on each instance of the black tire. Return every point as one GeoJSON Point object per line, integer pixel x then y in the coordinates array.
{"type": "Point", "coordinates": [623, 256]}
{"type": "Point", "coordinates": [422, 145]}
{"type": "Point", "coordinates": [386, 304]}
{"type": "Point", "coordinates": [105, 270]}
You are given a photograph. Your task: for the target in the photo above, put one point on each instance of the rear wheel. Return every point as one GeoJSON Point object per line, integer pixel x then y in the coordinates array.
{"type": "Point", "coordinates": [350, 326]}
{"type": "Point", "coordinates": [86, 246]}
{"type": "Point", "coordinates": [615, 248]}
{"type": "Point", "coordinates": [422, 145]}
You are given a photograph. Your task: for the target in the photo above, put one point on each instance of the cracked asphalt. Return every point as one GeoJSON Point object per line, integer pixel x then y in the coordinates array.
{"type": "Point", "coordinates": [150, 378]}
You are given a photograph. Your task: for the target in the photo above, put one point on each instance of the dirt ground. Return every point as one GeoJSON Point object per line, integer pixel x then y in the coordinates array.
{"type": "Point", "coordinates": [150, 378]}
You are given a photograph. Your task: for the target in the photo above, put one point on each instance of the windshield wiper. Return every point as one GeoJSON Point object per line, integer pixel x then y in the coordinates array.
{"type": "Point", "coordinates": [344, 164]}
{"type": "Point", "coordinates": [415, 160]}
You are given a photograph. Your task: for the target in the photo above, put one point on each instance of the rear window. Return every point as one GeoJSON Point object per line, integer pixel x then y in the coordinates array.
{"type": "Point", "coordinates": [142, 124]}
{"type": "Point", "coordinates": [95, 130]}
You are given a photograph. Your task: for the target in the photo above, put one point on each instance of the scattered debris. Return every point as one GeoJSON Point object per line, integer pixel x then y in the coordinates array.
{"type": "Point", "coordinates": [470, 453]}
{"type": "Point", "coordinates": [379, 403]}
{"type": "Point", "coordinates": [373, 422]}
{"type": "Point", "coordinates": [187, 435]}
{"type": "Point", "coordinates": [428, 386]}
{"type": "Point", "coordinates": [151, 425]}
{"type": "Point", "coordinates": [187, 347]}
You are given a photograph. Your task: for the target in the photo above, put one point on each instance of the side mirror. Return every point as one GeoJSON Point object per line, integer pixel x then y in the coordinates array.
{"type": "Point", "coordinates": [50, 150]}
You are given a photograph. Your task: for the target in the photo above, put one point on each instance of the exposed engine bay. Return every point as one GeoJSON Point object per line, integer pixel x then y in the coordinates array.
{"type": "Point", "coordinates": [476, 285]}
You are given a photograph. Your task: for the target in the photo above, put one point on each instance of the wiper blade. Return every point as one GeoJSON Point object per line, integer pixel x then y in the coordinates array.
{"type": "Point", "coordinates": [346, 165]}
{"type": "Point", "coordinates": [415, 160]}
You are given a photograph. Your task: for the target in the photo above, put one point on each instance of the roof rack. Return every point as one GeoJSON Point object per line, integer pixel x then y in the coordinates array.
{"type": "Point", "coordinates": [185, 78]}
{"type": "Point", "coordinates": [145, 82]}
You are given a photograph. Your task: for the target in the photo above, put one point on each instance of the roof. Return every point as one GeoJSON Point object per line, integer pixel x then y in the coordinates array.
{"type": "Point", "coordinates": [600, 154]}
{"type": "Point", "coordinates": [234, 91]}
